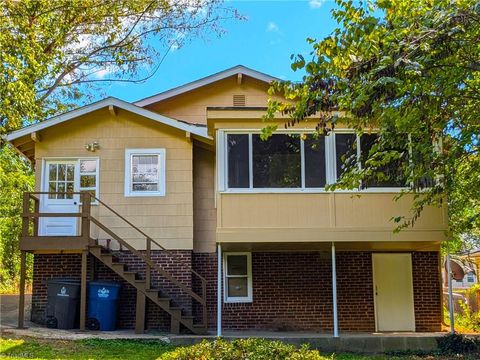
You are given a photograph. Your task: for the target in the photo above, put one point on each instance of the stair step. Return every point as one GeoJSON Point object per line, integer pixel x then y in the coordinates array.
{"type": "Point", "coordinates": [118, 266]}
{"type": "Point", "coordinates": [107, 258]}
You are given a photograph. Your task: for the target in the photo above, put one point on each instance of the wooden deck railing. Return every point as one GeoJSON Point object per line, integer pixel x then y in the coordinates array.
{"type": "Point", "coordinates": [30, 229]}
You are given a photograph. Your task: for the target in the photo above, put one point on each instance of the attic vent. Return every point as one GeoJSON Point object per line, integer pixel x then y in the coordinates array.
{"type": "Point", "coordinates": [238, 100]}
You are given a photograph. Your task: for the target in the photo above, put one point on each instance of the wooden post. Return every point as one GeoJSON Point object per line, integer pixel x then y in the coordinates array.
{"type": "Point", "coordinates": [21, 301]}
{"type": "Point", "coordinates": [140, 313]}
{"type": "Point", "coordinates": [174, 326]}
{"type": "Point", "coordinates": [26, 211]}
{"type": "Point", "coordinates": [86, 207]}
{"type": "Point", "coordinates": [83, 290]}
{"type": "Point", "coordinates": [36, 220]}
{"type": "Point", "coordinates": [204, 305]}
{"type": "Point", "coordinates": [147, 265]}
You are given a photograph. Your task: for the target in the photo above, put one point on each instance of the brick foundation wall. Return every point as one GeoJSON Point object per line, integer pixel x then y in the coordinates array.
{"type": "Point", "coordinates": [69, 265]}
{"type": "Point", "coordinates": [292, 291]}
{"type": "Point", "coordinates": [427, 291]}
{"type": "Point", "coordinates": [46, 267]}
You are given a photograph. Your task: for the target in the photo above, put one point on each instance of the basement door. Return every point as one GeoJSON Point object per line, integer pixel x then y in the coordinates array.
{"type": "Point", "coordinates": [393, 287]}
{"type": "Point", "coordinates": [59, 176]}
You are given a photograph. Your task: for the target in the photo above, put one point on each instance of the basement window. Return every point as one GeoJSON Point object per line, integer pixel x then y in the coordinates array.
{"type": "Point", "coordinates": [145, 172]}
{"type": "Point", "coordinates": [237, 277]}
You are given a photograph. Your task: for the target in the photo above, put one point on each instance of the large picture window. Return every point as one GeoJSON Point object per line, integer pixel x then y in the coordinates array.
{"type": "Point", "coordinates": [145, 172]}
{"type": "Point", "coordinates": [238, 277]}
{"type": "Point", "coordinates": [284, 161]}
{"type": "Point", "coordinates": [302, 161]}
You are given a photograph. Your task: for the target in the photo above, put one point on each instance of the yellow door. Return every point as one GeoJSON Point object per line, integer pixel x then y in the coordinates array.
{"type": "Point", "coordinates": [393, 286]}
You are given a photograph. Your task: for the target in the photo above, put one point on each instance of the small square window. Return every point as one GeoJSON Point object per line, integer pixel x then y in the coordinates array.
{"type": "Point", "coordinates": [238, 277]}
{"type": "Point", "coordinates": [145, 172]}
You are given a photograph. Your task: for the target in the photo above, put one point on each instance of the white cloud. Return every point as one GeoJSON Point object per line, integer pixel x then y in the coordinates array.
{"type": "Point", "coordinates": [100, 74]}
{"type": "Point", "coordinates": [315, 4]}
{"type": "Point", "coordinates": [272, 27]}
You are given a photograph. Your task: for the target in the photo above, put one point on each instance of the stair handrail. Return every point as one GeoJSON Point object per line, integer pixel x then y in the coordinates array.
{"type": "Point", "coordinates": [87, 217]}
{"type": "Point", "coordinates": [143, 233]}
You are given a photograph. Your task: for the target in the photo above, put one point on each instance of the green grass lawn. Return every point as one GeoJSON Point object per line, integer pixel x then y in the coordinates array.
{"type": "Point", "coordinates": [28, 348]}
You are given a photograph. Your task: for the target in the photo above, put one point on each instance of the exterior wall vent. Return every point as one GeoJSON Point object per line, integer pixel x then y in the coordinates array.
{"type": "Point", "coordinates": [238, 100]}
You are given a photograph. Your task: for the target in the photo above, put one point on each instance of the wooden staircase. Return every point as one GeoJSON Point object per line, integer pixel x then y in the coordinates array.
{"type": "Point", "coordinates": [155, 295]}
{"type": "Point", "coordinates": [87, 245]}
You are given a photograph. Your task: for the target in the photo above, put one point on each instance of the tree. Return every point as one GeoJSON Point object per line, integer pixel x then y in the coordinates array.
{"type": "Point", "coordinates": [53, 51]}
{"type": "Point", "coordinates": [411, 70]}
{"type": "Point", "coordinates": [16, 176]}
{"type": "Point", "coordinates": [55, 54]}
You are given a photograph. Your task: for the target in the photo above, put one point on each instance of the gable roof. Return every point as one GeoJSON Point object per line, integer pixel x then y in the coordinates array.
{"type": "Point", "coordinates": [239, 69]}
{"type": "Point", "coordinates": [110, 101]}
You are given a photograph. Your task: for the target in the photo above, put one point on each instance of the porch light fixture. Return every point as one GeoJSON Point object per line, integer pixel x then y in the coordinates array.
{"type": "Point", "coordinates": [92, 146]}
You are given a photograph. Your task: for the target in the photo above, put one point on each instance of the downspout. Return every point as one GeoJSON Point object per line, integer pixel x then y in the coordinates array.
{"type": "Point", "coordinates": [219, 290]}
{"type": "Point", "coordinates": [334, 292]}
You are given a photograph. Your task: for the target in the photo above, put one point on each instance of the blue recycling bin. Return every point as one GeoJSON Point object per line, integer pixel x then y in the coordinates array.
{"type": "Point", "coordinates": [102, 305]}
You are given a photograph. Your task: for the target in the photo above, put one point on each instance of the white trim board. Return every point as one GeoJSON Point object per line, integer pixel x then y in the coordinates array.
{"type": "Point", "coordinates": [110, 101]}
{"type": "Point", "coordinates": [239, 69]}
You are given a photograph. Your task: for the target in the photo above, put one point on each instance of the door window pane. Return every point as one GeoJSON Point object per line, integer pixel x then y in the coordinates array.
{"type": "Point", "coordinates": [88, 166]}
{"type": "Point", "coordinates": [61, 172]}
{"type": "Point", "coordinates": [315, 169]}
{"type": "Point", "coordinates": [89, 177]}
{"type": "Point", "coordinates": [52, 172]}
{"type": "Point", "coordinates": [87, 181]}
{"type": "Point", "coordinates": [238, 169]}
{"type": "Point", "coordinates": [276, 161]}
{"type": "Point", "coordinates": [70, 172]}
{"type": "Point", "coordinates": [346, 151]}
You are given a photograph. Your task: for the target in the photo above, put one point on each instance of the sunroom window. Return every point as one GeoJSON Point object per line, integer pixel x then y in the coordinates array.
{"type": "Point", "coordinates": [390, 175]}
{"type": "Point", "coordinates": [283, 161]}
{"type": "Point", "coordinates": [276, 161]}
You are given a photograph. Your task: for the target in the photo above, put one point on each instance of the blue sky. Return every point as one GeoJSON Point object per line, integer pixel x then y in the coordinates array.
{"type": "Point", "coordinates": [272, 31]}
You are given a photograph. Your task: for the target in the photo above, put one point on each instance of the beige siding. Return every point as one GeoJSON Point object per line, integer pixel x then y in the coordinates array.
{"type": "Point", "coordinates": [321, 217]}
{"type": "Point", "coordinates": [204, 212]}
{"type": "Point", "coordinates": [192, 106]}
{"type": "Point", "coordinates": [168, 219]}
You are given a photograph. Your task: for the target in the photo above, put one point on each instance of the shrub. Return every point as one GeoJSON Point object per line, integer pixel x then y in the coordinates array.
{"type": "Point", "coordinates": [456, 344]}
{"type": "Point", "coordinates": [251, 349]}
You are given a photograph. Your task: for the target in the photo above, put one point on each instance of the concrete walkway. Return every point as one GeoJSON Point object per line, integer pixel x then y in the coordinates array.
{"type": "Point", "coordinates": [362, 343]}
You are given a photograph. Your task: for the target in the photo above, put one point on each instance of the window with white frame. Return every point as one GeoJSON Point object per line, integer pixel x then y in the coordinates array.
{"type": "Point", "coordinates": [88, 169]}
{"type": "Point", "coordinates": [237, 277]}
{"type": "Point", "coordinates": [284, 161]}
{"type": "Point", "coordinates": [300, 161]}
{"type": "Point", "coordinates": [145, 172]}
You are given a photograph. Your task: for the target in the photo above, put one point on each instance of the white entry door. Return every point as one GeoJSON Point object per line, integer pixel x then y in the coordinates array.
{"type": "Point", "coordinates": [393, 286]}
{"type": "Point", "coordinates": [59, 176]}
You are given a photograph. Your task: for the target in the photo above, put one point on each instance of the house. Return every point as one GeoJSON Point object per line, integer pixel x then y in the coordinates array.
{"type": "Point", "coordinates": [208, 228]}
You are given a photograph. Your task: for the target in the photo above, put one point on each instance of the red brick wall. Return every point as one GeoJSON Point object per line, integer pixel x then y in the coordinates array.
{"type": "Point", "coordinates": [292, 291]}
{"type": "Point", "coordinates": [46, 267]}
{"type": "Point", "coordinates": [69, 265]}
{"type": "Point", "coordinates": [427, 291]}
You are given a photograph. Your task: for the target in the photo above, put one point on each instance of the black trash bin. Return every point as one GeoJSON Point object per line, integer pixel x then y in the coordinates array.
{"type": "Point", "coordinates": [63, 303]}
